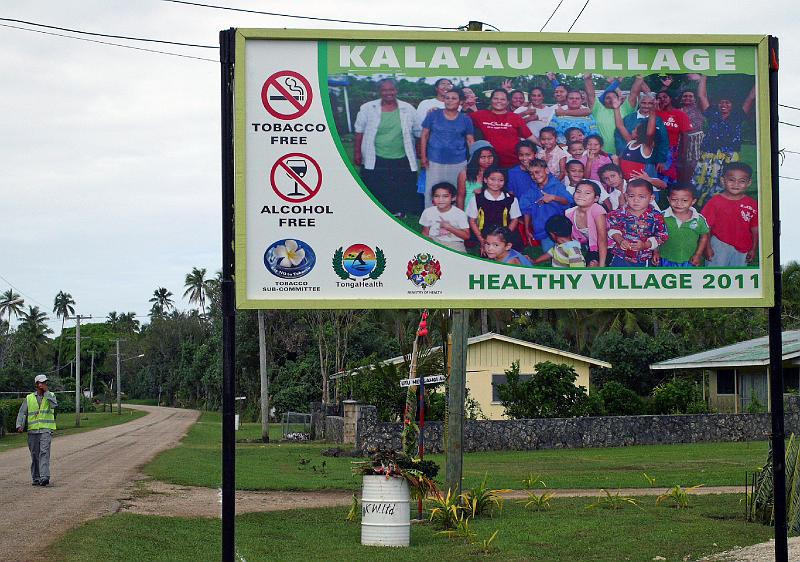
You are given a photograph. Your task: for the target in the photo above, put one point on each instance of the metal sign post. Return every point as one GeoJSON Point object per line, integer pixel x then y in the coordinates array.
{"type": "Point", "coordinates": [226, 52]}
{"type": "Point", "coordinates": [775, 325]}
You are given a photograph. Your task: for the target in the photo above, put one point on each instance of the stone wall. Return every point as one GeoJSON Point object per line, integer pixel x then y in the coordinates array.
{"type": "Point", "coordinates": [570, 433]}
{"type": "Point", "coordinates": [334, 429]}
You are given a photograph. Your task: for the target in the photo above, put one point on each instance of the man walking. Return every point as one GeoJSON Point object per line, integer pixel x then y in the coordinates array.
{"type": "Point", "coordinates": [38, 412]}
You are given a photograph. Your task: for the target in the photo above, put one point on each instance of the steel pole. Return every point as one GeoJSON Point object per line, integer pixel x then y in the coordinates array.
{"type": "Point", "coordinates": [775, 324]}
{"type": "Point", "coordinates": [227, 42]}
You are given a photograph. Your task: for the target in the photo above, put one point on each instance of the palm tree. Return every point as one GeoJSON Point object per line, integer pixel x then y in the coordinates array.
{"type": "Point", "coordinates": [62, 307]}
{"type": "Point", "coordinates": [33, 329]}
{"type": "Point", "coordinates": [162, 301]}
{"type": "Point", "coordinates": [112, 319]}
{"type": "Point", "coordinates": [11, 303]}
{"type": "Point", "coordinates": [127, 322]}
{"type": "Point", "coordinates": [196, 287]}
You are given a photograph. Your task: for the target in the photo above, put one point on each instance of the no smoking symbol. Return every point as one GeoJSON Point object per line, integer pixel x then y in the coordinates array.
{"type": "Point", "coordinates": [296, 177]}
{"type": "Point", "coordinates": [286, 95]}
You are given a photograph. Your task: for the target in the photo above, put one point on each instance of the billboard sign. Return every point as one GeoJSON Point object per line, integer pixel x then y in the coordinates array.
{"type": "Point", "coordinates": [474, 169]}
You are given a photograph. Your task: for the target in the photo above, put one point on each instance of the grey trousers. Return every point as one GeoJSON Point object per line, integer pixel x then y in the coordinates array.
{"type": "Point", "coordinates": [39, 446]}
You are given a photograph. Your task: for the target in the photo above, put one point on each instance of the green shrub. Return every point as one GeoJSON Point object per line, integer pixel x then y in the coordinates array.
{"type": "Point", "coordinates": [66, 404]}
{"type": "Point", "coordinates": [618, 400]}
{"type": "Point", "coordinates": [8, 415]}
{"type": "Point", "coordinates": [550, 393]}
{"type": "Point", "coordinates": [678, 396]}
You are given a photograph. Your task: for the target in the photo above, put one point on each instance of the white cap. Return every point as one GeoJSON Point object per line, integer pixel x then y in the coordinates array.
{"type": "Point", "coordinates": [40, 378]}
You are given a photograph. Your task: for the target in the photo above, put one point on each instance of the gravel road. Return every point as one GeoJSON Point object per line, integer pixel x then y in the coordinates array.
{"type": "Point", "coordinates": [90, 472]}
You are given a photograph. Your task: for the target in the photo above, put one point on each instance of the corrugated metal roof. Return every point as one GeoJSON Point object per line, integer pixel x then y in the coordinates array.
{"type": "Point", "coordinates": [753, 352]}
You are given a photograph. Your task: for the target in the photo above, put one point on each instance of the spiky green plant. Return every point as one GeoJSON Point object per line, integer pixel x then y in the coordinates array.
{"type": "Point", "coordinates": [462, 530]}
{"type": "Point", "coordinates": [481, 499]}
{"type": "Point", "coordinates": [762, 507]}
{"type": "Point", "coordinates": [538, 502]}
{"type": "Point", "coordinates": [678, 496]}
{"type": "Point", "coordinates": [614, 501]}
{"type": "Point", "coordinates": [447, 510]}
{"type": "Point", "coordinates": [352, 515]}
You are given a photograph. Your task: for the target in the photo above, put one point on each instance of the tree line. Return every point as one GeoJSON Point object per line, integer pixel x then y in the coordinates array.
{"type": "Point", "coordinates": [182, 362]}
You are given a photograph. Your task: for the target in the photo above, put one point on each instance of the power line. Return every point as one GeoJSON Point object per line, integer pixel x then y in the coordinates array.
{"type": "Point", "coordinates": [551, 16]}
{"type": "Point", "coordinates": [10, 284]}
{"type": "Point", "coordinates": [788, 178]}
{"type": "Point", "coordinates": [790, 124]}
{"type": "Point", "coordinates": [789, 106]}
{"type": "Point", "coordinates": [578, 16]}
{"type": "Point", "coordinates": [107, 43]}
{"type": "Point", "coordinates": [109, 36]}
{"type": "Point", "coordinates": [243, 10]}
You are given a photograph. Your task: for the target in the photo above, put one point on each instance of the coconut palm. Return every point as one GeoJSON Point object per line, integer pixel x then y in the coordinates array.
{"type": "Point", "coordinates": [33, 330]}
{"type": "Point", "coordinates": [112, 319]}
{"type": "Point", "coordinates": [127, 323]}
{"type": "Point", "coordinates": [196, 287]}
{"type": "Point", "coordinates": [10, 303]}
{"type": "Point", "coordinates": [162, 301]}
{"type": "Point", "coordinates": [63, 306]}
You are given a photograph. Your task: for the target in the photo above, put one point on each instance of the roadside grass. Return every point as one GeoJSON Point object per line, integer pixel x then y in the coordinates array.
{"type": "Point", "coordinates": [567, 532]}
{"type": "Point", "coordinates": [299, 466]}
{"type": "Point", "coordinates": [66, 425]}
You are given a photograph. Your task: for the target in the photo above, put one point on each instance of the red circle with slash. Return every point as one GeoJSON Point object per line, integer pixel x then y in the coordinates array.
{"type": "Point", "coordinates": [286, 95]}
{"type": "Point", "coordinates": [282, 165]}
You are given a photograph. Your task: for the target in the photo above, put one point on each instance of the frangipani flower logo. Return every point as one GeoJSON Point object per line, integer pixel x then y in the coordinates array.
{"type": "Point", "coordinates": [290, 253]}
{"type": "Point", "coordinates": [289, 258]}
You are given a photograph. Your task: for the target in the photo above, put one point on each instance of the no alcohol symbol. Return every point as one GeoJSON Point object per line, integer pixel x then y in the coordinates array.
{"type": "Point", "coordinates": [286, 95]}
{"type": "Point", "coordinates": [296, 177]}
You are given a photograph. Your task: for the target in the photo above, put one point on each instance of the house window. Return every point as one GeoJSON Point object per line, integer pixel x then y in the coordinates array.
{"type": "Point", "coordinates": [502, 379]}
{"type": "Point", "coordinates": [726, 381]}
{"type": "Point", "coordinates": [791, 379]}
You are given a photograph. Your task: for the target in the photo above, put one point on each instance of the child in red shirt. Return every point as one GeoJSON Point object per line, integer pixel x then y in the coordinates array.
{"type": "Point", "coordinates": [732, 217]}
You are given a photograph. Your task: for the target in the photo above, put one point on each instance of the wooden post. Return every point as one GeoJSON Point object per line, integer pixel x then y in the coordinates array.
{"type": "Point", "coordinates": [262, 369]}
{"type": "Point", "coordinates": [455, 400]}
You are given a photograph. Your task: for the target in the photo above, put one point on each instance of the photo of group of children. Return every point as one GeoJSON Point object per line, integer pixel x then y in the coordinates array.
{"type": "Point", "coordinates": [590, 171]}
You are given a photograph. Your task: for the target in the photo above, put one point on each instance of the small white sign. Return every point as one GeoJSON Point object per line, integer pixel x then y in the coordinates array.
{"type": "Point", "coordinates": [433, 379]}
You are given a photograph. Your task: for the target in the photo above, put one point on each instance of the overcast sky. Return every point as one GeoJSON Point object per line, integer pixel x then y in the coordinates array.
{"type": "Point", "coordinates": [110, 156]}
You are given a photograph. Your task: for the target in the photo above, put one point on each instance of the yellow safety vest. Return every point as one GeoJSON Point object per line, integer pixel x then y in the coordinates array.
{"type": "Point", "coordinates": [40, 416]}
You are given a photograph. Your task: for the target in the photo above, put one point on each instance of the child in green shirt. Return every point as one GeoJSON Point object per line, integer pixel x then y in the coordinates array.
{"type": "Point", "coordinates": [687, 229]}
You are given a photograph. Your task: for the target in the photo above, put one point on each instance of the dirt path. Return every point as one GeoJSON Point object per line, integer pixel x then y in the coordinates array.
{"type": "Point", "coordinates": [89, 471]}
{"type": "Point", "coordinates": [151, 497]}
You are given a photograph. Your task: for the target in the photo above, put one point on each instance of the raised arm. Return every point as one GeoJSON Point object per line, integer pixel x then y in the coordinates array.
{"type": "Point", "coordinates": [588, 85]}
{"type": "Point", "coordinates": [702, 90]}
{"type": "Point", "coordinates": [748, 102]}
{"type": "Point", "coordinates": [636, 89]}
{"type": "Point", "coordinates": [620, 124]}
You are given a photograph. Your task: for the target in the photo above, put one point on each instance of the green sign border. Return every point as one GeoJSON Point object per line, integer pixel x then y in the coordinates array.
{"type": "Point", "coordinates": [764, 169]}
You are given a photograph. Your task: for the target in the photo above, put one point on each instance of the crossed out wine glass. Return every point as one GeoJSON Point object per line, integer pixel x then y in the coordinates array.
{"type": "Point", "coordinates": [299, 167]}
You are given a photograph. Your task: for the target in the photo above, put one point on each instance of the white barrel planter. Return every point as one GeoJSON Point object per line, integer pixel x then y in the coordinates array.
{"type": "Point", "coordinates": [385, 511]}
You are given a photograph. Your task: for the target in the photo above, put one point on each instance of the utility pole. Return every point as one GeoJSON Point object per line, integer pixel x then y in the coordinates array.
{"type": "Point", "coordinates": [119, 382]}
{"type": "Point", "coordinates": [78, 319]}
{"type": "Point", "coordinates": [91, 378]}
{"type": "Point", "coordinates": [262, 364]}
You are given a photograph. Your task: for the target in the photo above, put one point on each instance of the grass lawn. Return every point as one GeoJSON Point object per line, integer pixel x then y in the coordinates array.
{"type": "Point", "coordinates": [298, 466]}
{"type": "Point", "coordinates": [567, 532]}
{"type": "Point", "coordinates": [66, 425]}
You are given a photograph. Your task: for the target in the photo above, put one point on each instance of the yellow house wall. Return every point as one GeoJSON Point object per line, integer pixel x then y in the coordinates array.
{"type": "Point", "coordinates": [493, 357]}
